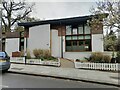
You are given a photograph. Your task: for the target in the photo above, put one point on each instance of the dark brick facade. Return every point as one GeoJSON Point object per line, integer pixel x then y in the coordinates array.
{"type": "Point", "coordinates": [95, 29]}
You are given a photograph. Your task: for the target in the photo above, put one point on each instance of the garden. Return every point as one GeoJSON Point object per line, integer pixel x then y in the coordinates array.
{"type": "Point", "coordinates": [100, 61]}
{"type": "Point", "coordinates": [39, 57]}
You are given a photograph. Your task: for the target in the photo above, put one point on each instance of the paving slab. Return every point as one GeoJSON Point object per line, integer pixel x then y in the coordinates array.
{"type": "Point", "coordinates": [102, 77]}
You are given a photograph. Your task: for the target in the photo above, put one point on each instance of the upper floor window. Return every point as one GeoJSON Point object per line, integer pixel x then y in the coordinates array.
{"type": "Point", "coordinates": [78, 38]}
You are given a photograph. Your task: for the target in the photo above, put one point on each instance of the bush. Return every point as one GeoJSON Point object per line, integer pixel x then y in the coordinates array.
{"type": "Point", "coordinates": [36, 53]}
{"type": "Point", "coordinates": [96, 57]}
{"type": "Point", "coordinates": [46, 53]}
{"type": "Point", "coordinates": [42, 53]}
{"type": "Point", "coordinates": [118, 57]}
{"type": "Point", "coordinates": [107, 59]}
{"type": "Point", "coordinates": [99, 57]}
{"type": "Point", "coordinates": [28, 54]}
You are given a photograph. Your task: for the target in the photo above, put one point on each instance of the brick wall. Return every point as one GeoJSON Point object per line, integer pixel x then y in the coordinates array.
{"type": "Point", "coordinates": [97, 28]}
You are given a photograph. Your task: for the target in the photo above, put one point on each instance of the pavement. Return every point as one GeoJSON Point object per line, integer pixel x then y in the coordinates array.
{"type": "Point", "coordinates": [102, 77]}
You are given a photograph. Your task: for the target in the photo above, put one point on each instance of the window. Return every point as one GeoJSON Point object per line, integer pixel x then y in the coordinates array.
{"type": "Point", "coordinates": [21, 47]}
{"type": "Point", "coordinates": [78, 38]}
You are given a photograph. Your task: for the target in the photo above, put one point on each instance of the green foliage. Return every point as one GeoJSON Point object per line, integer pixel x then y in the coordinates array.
{"type": "Point", "coordinates": [43, 54]}
{"type": "Point", "coordinates": [36, 53]}
{"type": "Point", "coordinates": [99, 57]}
{"type": "Point", "coordinates": [112, 9]}
{"type": "Point", "coordinates": [19, 29]}
{"type": "Point", "coordinates": [107, 59]}
{"type": "Point", "coordinates": [96, 57]}
{"type": "Point", "coordinates": [110, 41]}
{"type": "Point", "coordinates": [28, 55]}
{"type": "Point", "coordinates": [118, 54]}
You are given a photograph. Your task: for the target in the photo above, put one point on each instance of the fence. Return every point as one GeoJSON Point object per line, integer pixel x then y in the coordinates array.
{"type": "Point", "coordinates": [98, 66]}
{"type": "Point", "coordinates": [17, 59]}
{"type": "Point", "coordinates": [35, 61]}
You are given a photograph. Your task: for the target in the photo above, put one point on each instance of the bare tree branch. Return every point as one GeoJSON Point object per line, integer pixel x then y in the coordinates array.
{"type": "Point", "coordinates": [14, 12]}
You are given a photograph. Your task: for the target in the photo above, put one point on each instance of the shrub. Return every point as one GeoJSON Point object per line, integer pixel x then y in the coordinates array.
{"type": "Point", "coordinates": [28, 54]}
{"type": "Point", "coordinates": [46, 53]}
{"type": "Point", "coordinates": [42, 53]}
{"type": "Point", "coordinates": [107, 59]}
{"type": "Point", "coordinates": [99, 57]}
{"type": "Point", "coordinates": [118, 54]}
{"type": "Point", "coordinates": [96, 57]}
{"type": "Point", "coordinates": [36, 53]}
{"type": "Point", "coordinates": [22, 54]}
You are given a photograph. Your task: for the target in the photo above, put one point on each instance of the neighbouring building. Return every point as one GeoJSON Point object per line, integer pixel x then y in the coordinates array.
{"type": "Point", "coordinates": [13, 42]}
{"type": "Point", "coordinates": [70, 38]}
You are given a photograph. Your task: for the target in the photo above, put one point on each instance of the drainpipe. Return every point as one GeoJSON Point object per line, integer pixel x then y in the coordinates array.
{"type": "Point", "coordinates": [25, 54]}
{"type": "Point", "coordinates": [61, 41]}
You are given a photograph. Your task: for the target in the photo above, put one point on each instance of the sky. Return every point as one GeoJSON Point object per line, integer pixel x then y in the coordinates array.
{"type": "Point", "coordinates": [55, 10]}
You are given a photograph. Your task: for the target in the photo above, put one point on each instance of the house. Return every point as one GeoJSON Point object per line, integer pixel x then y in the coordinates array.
{"type": "Point", "coordinates": [70, 38]}
{"type": "Point", "coordinates": [12, 42]}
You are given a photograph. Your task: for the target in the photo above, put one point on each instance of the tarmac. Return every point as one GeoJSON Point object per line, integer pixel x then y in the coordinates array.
{"type": "Point", "coordinates": [94, 76]}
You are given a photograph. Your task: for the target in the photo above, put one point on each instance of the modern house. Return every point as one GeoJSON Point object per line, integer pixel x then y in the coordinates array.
{"type": "Point", "coordinates": [70, 38]}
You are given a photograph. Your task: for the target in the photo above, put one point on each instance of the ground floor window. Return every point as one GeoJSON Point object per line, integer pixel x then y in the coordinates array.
{"type": "Point", "coordinates": [78, 38]}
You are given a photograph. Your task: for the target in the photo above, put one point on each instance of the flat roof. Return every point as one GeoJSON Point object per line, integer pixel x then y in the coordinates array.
{"type": "Point", "coordinates": [57, 21]}
{"type": "Point", "coordinates": [63, 21]}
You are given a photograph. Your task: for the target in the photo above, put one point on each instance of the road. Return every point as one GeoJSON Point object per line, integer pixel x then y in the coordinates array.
{"type": "Point", "coordinates": [10, 80]}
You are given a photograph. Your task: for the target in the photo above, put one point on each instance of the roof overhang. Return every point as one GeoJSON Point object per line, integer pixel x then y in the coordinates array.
{"type": "Point", "coordinates": [64, 21]}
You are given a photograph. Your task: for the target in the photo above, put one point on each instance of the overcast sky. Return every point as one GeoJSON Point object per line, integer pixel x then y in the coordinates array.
{"type": "Point", "coordinates": [52, 10]}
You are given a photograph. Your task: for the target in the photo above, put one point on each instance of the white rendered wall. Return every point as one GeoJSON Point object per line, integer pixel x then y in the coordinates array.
{"type": "Point", "coordinates": [97, 43]}
{"type": "Point", "coordinates": [12, 45]}
{"type": "Point", "coordinates": [39, 37]}
{"type": "Point", "coordinates": [55, 44]}
{"type": "Point", "coordinates": [76, 55]}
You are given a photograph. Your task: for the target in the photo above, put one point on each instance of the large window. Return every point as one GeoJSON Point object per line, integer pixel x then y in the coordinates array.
{"type": "Point", "coordinates": [78, 38]}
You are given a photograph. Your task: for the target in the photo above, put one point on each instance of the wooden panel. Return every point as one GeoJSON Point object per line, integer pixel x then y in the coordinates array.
{"type": "Point", "coordinates": [61, 29]}
{"type": "Point", "coordinates": [16, 54]}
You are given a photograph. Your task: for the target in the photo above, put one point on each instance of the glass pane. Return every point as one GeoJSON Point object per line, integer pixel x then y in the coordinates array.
{"type": "Point", "coordinates": [80, 37]}
{"type": "Point", "coordinates": [82, 48]}
{"type": "Point", "coordinates": [74, 37]}
{"type": "Point", "coordinates": [74, 43]}
{"type": "Point", "coordinates": [80, 29]}
{"type": "Point", "coordinates": [68, 43]}
{"type": "Point", "coordinates": [74, 30]}
{"type": "Point", "coordinates": [68, 37]}
{"type": "Point", "coordinates": [75, 48]}
{"type": "Point", "coordinates": [81, 43]}
{"type": "Point", "coordinates": [87, 45]}
{"type": "Point", "coordinates": [68, 48]}
{"type": "Point", "coordinates": [2, 54]}
{"type": "Point", "coordinates": [87, 29]}
{"type": "Point", "coordinates": [87, 37]}
{"type": "Point", "coordinates": [68, 30]}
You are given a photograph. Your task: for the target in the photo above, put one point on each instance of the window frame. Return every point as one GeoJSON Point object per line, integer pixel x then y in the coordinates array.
{"type": "Point", "coordinates": [78, 40]}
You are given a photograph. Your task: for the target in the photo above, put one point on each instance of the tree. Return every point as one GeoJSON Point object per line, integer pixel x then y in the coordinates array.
{"type": "Point", "coordinates": [25, 19]}
{"type": "Point", "coordinates": [112, 22]}
{"type": "Point", "coordinates": [112, 8]}
{"type": "Point", "coordinates": [110, 41]}
{"type": "Point", "coordinates": [14, 12]}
